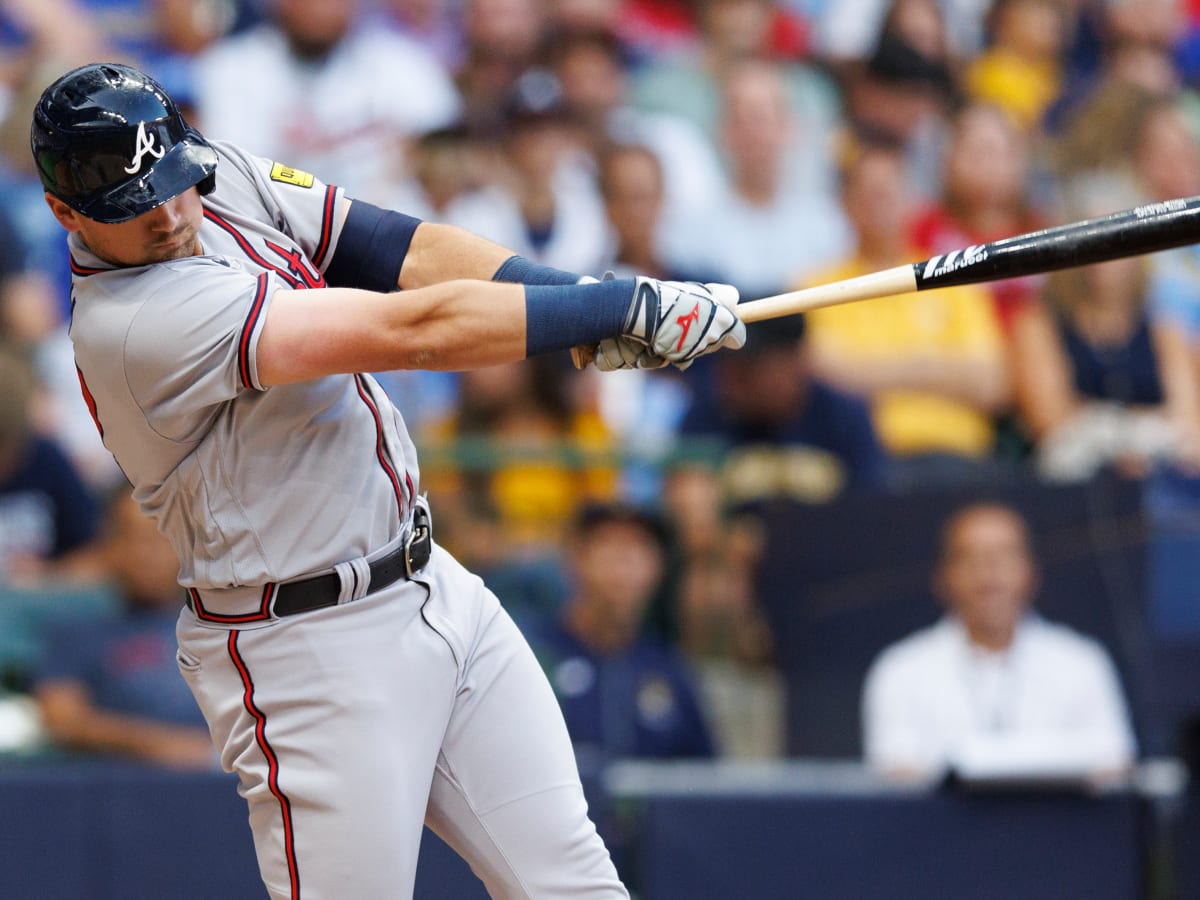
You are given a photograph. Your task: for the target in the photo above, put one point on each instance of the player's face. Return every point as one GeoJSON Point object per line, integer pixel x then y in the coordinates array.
{"type": "Point", "coordinates": [170, 231]}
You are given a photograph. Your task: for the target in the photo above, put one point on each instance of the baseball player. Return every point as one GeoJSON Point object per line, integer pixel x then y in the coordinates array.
{"type": "Point", "coordinates": [357, 679]}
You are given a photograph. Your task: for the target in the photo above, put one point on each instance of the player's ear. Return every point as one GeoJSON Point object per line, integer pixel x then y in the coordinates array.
{"type": "Point", "coordinates": [67, 217]}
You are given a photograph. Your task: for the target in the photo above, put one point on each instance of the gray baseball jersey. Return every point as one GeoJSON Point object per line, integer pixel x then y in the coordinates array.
{"type": "Point", "coordinates": [251, 486]}
{"type": "Point", "coordinates": [349, 725]}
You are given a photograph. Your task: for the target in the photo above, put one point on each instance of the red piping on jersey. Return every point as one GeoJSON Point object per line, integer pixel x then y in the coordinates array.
{"type": "Point", "coordinates": [249, 250]}
{"type": "Point", "coordinates": [260, 736]}
{"type": "Point", "coordinates": [261, 615]}
{"type": "Point", "coordinates": [318, 256]}
{"type": "Point", "coordinates": [387, 467]}
{"type": "Point", "coordinates": [84, 271]}
{"type": "Point", "coordinates": [260, 297]}
{"type": "Point", "coordinates": [90, 401]}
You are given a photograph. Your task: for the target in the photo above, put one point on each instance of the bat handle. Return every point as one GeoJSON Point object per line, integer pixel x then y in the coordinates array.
{"type": "Point", "coordinates": [582, 356]}
{"type": "Point", "coordinates": [897, 280]}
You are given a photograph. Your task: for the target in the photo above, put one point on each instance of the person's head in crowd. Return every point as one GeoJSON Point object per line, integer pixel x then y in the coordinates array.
{"type": "Point", "coordinates": [1110, 296]}
{"type": "Point", "coordinates": [446, 163]}
{"type": "Point", "coordinates": [1101, 133]}
{"type": "Point", "coordinates": [616, 559]}
{"type": "Point", "coordinates": [735, 29]}
{"type": "Point", "coordinates": [591, 71]}
{"type": "Point", "coordinates": [504, 29]}
{"type": "Point", "coordinates": [631, 183]}
{"type": "Point", "coordinates": [1140, 38]}
{"type": "Point", "coordinates": [876, 197]}
{"type": "Point", "coordinates": [140, 561]}
{"type": "Point", "coordinates": [583, 16]}
{"type": "Point", "coordinates": [504, 38]}
{"type": "Point", "coordinates": [1156, 23]}
{"type": "Point", "coordinates": [986, 168]}
{"type": "Point", "coordinates": [314, 27]}
{"type": "Point", "coordinates": [757, 127]}
{"type": "Point", "coordinates": [918, 25]}
{"type": "Point", "coordinates": [986, 575]}
{"type": "Point", "coordinates": [908, 79]}
{"type": "Point", "coordinates": [766, 382]}
{"type": "Point", "coordinates": [538, 126]}
{"type": "Point", "coordinates": [1020, 70]}
{"type": "Point", "coordinates": [16, 406]}
{"type": "Point", "coordinates": [1166, 155]}
{"type": "Point", "coordinates": [1030, 29]}
{"type": "Point", "coordinates": [1102, 303]}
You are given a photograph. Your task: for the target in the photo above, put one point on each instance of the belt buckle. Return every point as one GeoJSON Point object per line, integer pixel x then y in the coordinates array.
{"type": "Point", "coordinates": [419, 537]}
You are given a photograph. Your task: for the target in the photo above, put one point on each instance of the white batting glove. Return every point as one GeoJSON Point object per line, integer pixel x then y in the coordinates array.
{"type": "Point", "coordinates": [678, 321]}
{"type": "Point", "coordinates": [616, 353]}
{"type": "Point", "coordinates": [625, 353]}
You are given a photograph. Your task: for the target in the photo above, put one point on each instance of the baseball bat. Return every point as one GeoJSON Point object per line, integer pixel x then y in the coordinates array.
{"type": "Point", "coordinates": [1131, 232]}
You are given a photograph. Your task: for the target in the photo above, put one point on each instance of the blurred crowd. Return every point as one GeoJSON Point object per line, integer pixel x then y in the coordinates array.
{"type": "Point", "coordinates": [772, 144]}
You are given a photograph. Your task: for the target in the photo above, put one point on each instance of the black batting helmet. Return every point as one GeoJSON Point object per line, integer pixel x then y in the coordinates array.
{"type": "Point", "coordinates": [111, 143]}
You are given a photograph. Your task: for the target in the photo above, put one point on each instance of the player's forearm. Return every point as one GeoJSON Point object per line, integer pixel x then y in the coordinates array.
{"type": "Point", "coordinates": [454, 325]}
{"type": "Point", "coordinates": [440, 253]}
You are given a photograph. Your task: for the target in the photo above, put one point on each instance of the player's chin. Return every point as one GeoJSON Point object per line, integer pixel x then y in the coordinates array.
{"type": "Point", "coordinates": [176, 248]}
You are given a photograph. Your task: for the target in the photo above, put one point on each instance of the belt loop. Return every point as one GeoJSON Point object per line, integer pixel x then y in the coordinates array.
{"type": "Point", "coordinates": [355, 578]}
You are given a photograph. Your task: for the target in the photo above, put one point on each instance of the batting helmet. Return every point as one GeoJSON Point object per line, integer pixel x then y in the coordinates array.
{"type": "Point", "coordinates": [111, 143]}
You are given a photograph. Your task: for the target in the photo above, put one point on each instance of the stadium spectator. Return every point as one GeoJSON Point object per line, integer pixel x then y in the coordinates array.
{"type": "Point", "coordinates": [623, 693]}
{"type": "Point", "coordinates": [47, 514]}
{"type": "Point", "coordinates": [112, 685]}
{"type": "Point", "coordinates": [542, 201]}
{"type": "Point", "coordinates": [591, 69]}
{"type": "Point", "coordinates": [504, 40]}
{"type": "Point", "coordinates": [728, 645]}
{"type": "Point", "coordinates": [435, 24]}
{"type": "Point", "coordinates": [776, 430]}
{"type": "Point", "coordinates": [932, 364]}
{"type": "Point", "coordinates": [1020, 70]}
{"type": "Point", "coordinates": [985, 196]}
{"type": "Point", "coordinates": [848, 30]}
{"type": "Point", "coordinates": [691, 82]}
{"type": "Point", "coordinates": [906, 90]}
{"type": "Point", "coordinates": [643, 408]}
{"type": "Point", "coordinates": [315, 89]}
{"type": "Point", "coordinates": [521, 438]}
{"type": "Point", "coordinates": [1103, 384]}
{"type": "Point", "coordinates": [775, 227]}
{"type": "Point", "coordinates": [994, 689]}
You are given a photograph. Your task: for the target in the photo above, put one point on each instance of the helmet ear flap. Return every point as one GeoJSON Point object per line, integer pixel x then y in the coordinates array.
{"type": "Point", "coordinates": [208, 184]}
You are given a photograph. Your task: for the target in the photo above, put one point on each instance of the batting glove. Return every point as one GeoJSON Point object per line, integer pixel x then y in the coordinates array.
{"type": "Point", "coordinates": [677, 321]}
{"type": "Point", "coordinates": [625, 353]}
{"type": "Point", "coordinates": [615, 353]}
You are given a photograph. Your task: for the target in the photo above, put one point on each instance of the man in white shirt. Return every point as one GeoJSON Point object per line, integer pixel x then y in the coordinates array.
{"type": "Point", "coordinates": [327, 91]}
{"type": "Point", "coordinates": [993, 690]}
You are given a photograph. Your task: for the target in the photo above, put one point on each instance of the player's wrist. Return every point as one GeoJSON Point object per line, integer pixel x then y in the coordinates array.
{"type": "Point", "coordinates": [519, 270]}
{"type": "Point", "coordinates": [559, 317]}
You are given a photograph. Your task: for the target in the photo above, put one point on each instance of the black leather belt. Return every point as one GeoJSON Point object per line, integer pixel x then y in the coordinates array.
{"type": "Point", "coordinates": [403, 562]}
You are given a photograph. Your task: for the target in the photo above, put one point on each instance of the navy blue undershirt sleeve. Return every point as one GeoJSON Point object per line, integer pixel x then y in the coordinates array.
{"type": "Point", "coordinates": [558, 317]}
{"type": "Point", "coordinates": [371, 248]}
{"type": "Point", "coordinates": [519, 270]}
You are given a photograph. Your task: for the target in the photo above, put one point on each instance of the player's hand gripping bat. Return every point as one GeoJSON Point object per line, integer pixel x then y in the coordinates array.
{"type": "Point", "coordinates": [1131, 232]}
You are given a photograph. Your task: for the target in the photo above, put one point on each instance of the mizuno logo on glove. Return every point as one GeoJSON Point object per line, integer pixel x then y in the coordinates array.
{"type": "Point", "coordinates": [685, 324]}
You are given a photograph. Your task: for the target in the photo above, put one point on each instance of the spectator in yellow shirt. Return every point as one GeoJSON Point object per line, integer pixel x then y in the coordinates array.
{"type": "Point", "coordinates": [932, 365]}
{"type": "Point", "coordinates": [1020, 71]}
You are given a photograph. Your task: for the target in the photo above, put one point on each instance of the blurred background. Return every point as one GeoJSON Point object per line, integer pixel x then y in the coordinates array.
{"type": "Point", "coordinates": [902, 600]}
